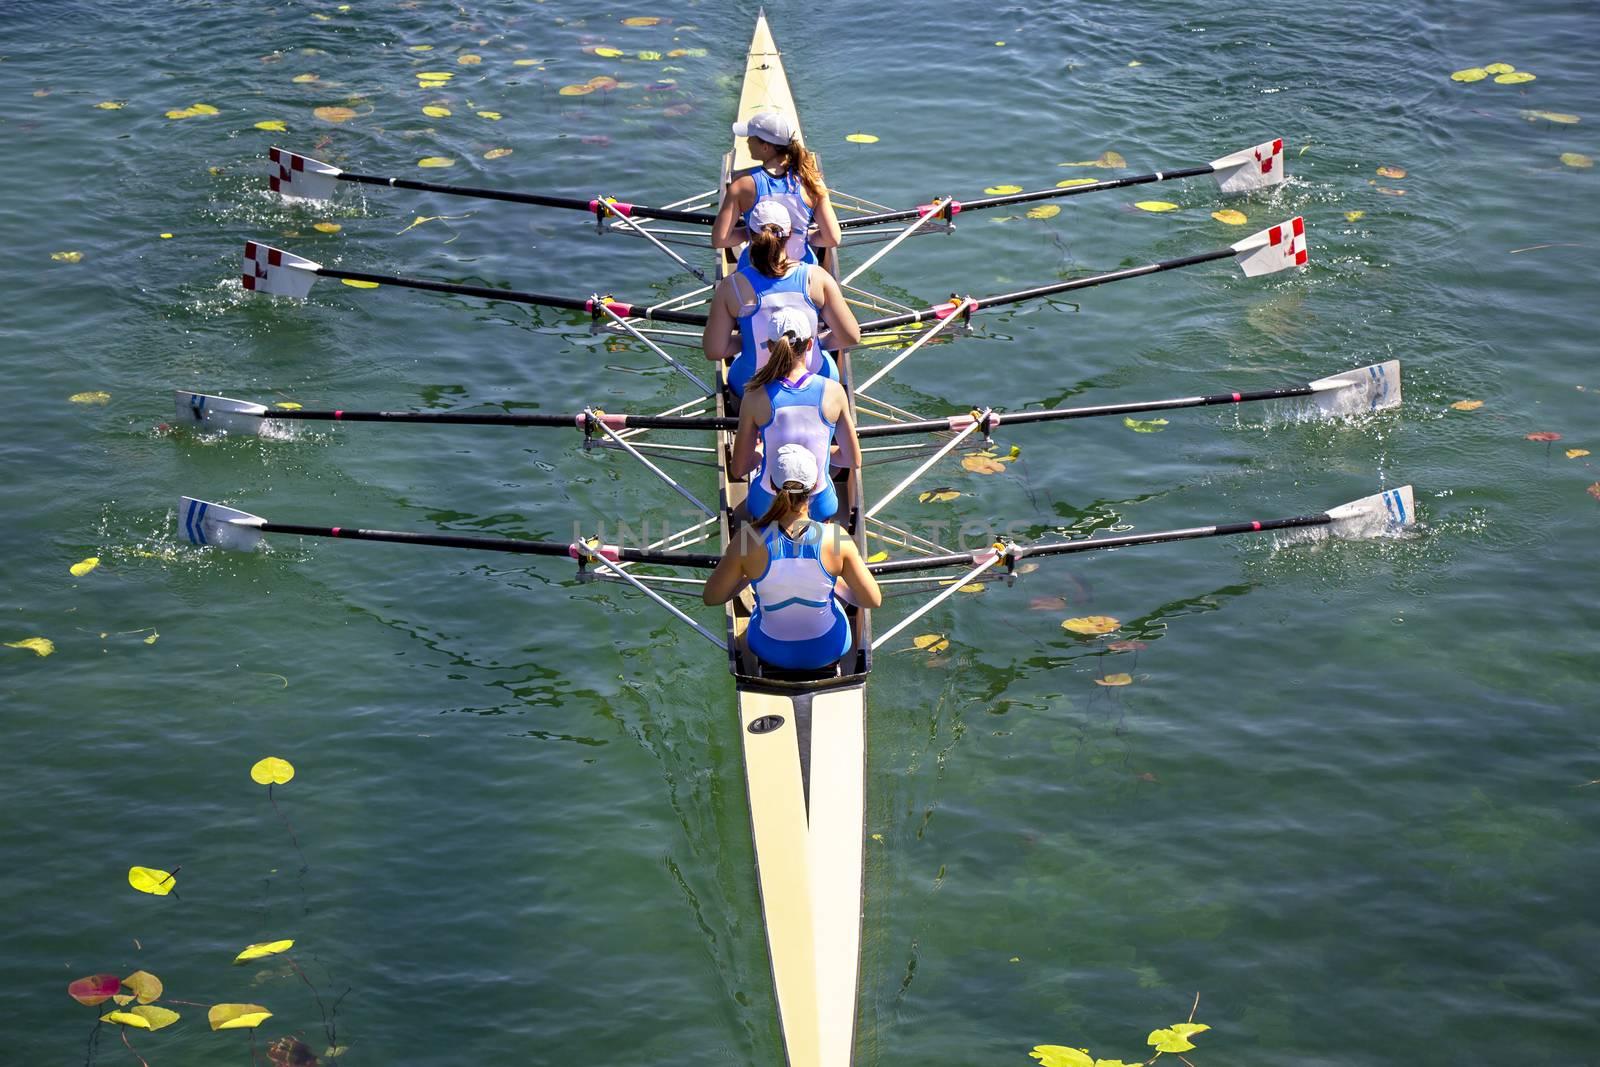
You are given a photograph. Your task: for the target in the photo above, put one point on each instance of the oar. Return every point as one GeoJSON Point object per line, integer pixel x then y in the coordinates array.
{"type": "Point", "coordinates": [1273, 249]}
{"type": "Point", "coordinates": [279, 273]}
{"type": "Point", "coordinates": [214, 525]}
{"type": "Point", "coordinates": [1240, 172]}
{"type": "Point", "coordinates": [205, 411]}
{"type": "Point", "coordinates": [297, 175]}
{"type": "Point", "coordinates": [1351, 392]}
{"type": "Point", "coordinates": [1372, 516]}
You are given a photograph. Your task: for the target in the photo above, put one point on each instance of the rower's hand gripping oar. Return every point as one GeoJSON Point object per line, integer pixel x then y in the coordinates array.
{"type": "Point", "coordinates": [296, 175]}
{"type": "Point", "coordinates": [1243, 171]}
{"type": "Point", "coordinates": [1276, 248]}
{"type": "Point", "coordinates": [279, 273]}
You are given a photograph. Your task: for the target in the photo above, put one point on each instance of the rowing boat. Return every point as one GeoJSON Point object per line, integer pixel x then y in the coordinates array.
{"type": "Point", "coordinates": [802, 733]}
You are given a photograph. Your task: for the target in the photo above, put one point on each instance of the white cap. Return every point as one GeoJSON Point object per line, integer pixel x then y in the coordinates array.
{"type": "Point", "coordinates": [789, 321]}
{"type": "Point", "coordinates": [769, 212]}
{"type": "Point", "coordinates": [772, 127]}
{"type": "Point", "coordinates": [794, 464]}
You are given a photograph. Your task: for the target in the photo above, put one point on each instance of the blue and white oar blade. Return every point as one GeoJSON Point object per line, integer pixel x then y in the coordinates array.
{"type": "Point", "coordinates": [1356, 392]}
{"type": "Point", "coordinates": [218, 414]}
{"type": "Point", "coordinates": [204, 523]}
{"type": "Point", "coordinates": [1380, 515]}
{"type": "Point", "coordinates": [272, 270]}
{"type": "Point", "coordinates": [1251, 168]}
{"type": "Point", "coordinates": [296, 175]}
{"type": "Point", "coordinates": [1273, 249]}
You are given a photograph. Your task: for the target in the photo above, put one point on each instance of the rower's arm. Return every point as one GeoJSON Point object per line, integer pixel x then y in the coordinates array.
{"type": "Point", "coordinates": [862, 587]}
{"type": "Point", "coordinates": [745, 458]}
{"type": "Point", "coordinates": [719, 341]}
{"type": "Point", "coordinates": [844, 435]}
{"type": "Point", "coordinates": [726, 581]}
{"type": "Point", "coordinates": [843, 330]}
{"type": "Point", "coordinates": [728, 229]}
{"type": "Point", "coordinates": [828, 234]}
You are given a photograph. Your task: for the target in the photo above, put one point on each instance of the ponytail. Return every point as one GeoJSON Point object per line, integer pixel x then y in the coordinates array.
{"type": "Point", "coordinates": [768, 251]}
{"type": "Point", "coordinates": [802, 163]}
{"type": "Point", "coordinates": [787, 505]}
{"type": "Point", "coordinates": [783, 355]}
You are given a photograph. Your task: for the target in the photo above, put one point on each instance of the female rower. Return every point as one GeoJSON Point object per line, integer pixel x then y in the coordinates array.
{"type": "Point", "coordinates": [788, 175]}
{"type": "Point", "coordinates": [798, 569]}
{"type": "Point", "coordinates": [750, 296]}
{"type": "Point", "coordinates": [785, 404]}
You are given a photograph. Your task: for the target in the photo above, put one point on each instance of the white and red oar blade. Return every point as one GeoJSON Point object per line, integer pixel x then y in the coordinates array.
{"type": "Point", "coordinates": [296, 175]}
{"type": "Point", "coordinates": [1356, 392]}
{"type": "Point", "coordinates": [272, 270]}
{"type": "Point", "coordinates": [1276, 248]}
{"type": "Point", "coordinates": [1380, 515]}
{"type": "Point", "coordinates": [203, 523]}
{"type": "Point", "coordinates": [218, 414]}
{"type": "Point", "coordinates": [1251, 168]}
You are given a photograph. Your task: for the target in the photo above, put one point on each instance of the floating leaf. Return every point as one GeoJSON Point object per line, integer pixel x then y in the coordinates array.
{"type": "Point", "coordinates": [469, 60]}
{"type": "Point", "coordinates": [1354, 216]}
{"type": "Point", "coordinates": [861, 138]}
{"type": "Point", "coordinates": [419, 48]}
{"type": "Point", "coordinates": [1467, 405]}
{"type": "Point", "coordinates": [576, 90]}
{"type": "Point", "coordinates": [265, 948]}
{"type": "Point", "coordinates": [272, 126]}
{"type": "Point", "coordinates": [326, 227]}
{"type": "Point", "coordinates": [609, 53]}
{"type": "Point", "coordinates": [525, 62]}
{"type": "Point", "coordinates": [675, 111]}
{"type": "Point", "coordinates": [145, 986]}
{"type": "Point", "coordinates": [650, 57]}
{"type": "Point", "coordinates": [1531, 116]}
{"type": "Point", "coordinates": [1061, 1056]}
{"type": "Point", "coordinates": [1107, 160]}
{"type": "Point", "coordinates": [126, 1018]}
{"type": "Point", "coordinates": [1134, 63]}
{"type": "Point", "coordinates": [1155, 205]}
{"type": "Point", "coordinates": [149, 880]}
{"type": "Point", "coordinates": [1143, 425]}
{"type": "Point", "coordinates": [436, 161]}
{"type": "Point", "coordinates": [1471, 74]}
{"type": "Point", "coordinates": [67, 257]}
{"type": "Point", "coordinates": [437, 75]}
{"type": "Point", "coordinates": [39, 646]}
{"type": "Point", "coordinates": [352, 283]}
{"type": "Point", "coordinates": [95, 989]}
{"type": "Point", "coordinates": [1577, 159]}
{"type": "Point", "coordinates": [1044, 211]}
{"type": "Point", "coordinates": [434, 111]}
{"type": "Point", "coordinates": [1516, 78]}
{"type": "Point", "coordinates": [1001, 190]}
{"type": "Point", "coordinates": [1070, 182]}
{"type": "Point", "coordinates": [1594, 490]}
{"type": "Point", "coordinates": [1115, 679]}
{"type": "Point", "coordinates": [1577, 453]}
{"type": "Point", "coordinates": [1127, 646]}
{"type": "Point", "coordinates": [1391, 172]}
{"type": "Point", "coordinates": [271, 771]}
{"type": "Point", "coordinates": [111, 105]}
{"type": "Point", "coordinates": [603, 82]}
{"type": "Point", "coordinates": [937, 496]}
{"type": "Point", "coordinates": [152, 639]}
{"type": "Point", "coordinates": [641, 20]}
{"type": "Point", "coordinates": [1091, 624]}
{"type": "Point", "coordinates": [1385, 190]}
{"type": "Point", "coordinates": [492, 116]}
{"type": "Point", "coordinates": [304, 79]}
{"type": "Point", "coordinates": [166, 236]}
{"type": "Point", "coordinates": [237, 1016]}
{"type": "Point", "coordinates": [154, 1016]}
{"type": "Point", "coordinates": [1175, 1038]}
{"type": "Point", "coordinates": [1230, 217]}
{"type": "Point", "coordinates": [980, 464]}
{"type": "Point", "coordinates": [1499, 68]}
{"type": "Point", "coordinates": [497, 153]}
{"type": "Point", "coordinates": [878, 557]}
{"type": "Point", "coordinates": [289, 1051]}
{"type": "Point", "coordinates": [97, 397]}
{"type": "Point", "coordinates": [1542, 436]}
{"type": "Point", "coordinates": [1047, 603]}
{"type": "Point", "coordinates": [431, 83]}
{"type": "Point", "coordinates": [931, 643]}
{"type": "Point", "coordinates": [334, 114]}
{"type": "Point", "coordinates": [84, 566]}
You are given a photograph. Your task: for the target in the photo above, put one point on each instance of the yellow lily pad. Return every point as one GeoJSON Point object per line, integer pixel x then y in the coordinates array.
{"type": "Point", "coordinates": [641, 20]}
{"type": "Point", "coordinates": [237, 1016]}
{"type": "Point", "coordinates": [1514, 78]}
{"type": "Point", "coordinates": [67, 257]}
{"type": "Point", "coordinates": [1155, 205]}
{"type": "Point", "coordinates": [861, 138]}
{"type": "Point", "coordinates": [149, 880]}
{"type": "Point", "coordinates": [1558, 117]}
{"type": "Point", "coordinates": [1354, 216]}
{"type": "Point", "coordinates": [84, 566]}
{"type": "Point", "coordinates": [1070, 182]}
{"type": "Point", "coordinates": [469, 60]}
{"type": "Point", "coordinates": [419, 48]}
{"type": "Point", "coordinates": [354, 284]}
{"type": "Point", "coordinates": [146, 986]}
{"type": "Point", "coordinates": [272, 126]}
{"type": "Point", "coordinates": [982, 464]}
{"type": "Point", "coordinates": [1577, 453]}
{"type": "Point", "coordinates": [1044, 211]}
{"type": "Point", "coordinates": [497, 153]}
{"type": "Point", "coordinates": [1467, 405]}
{"type": "Point", "coordinates": [608, 53]}
{"type": "Point", "coordinates": [878, 557]}
{"type": "Point", "coordinates": [649, 57]}
{"type": "Point", "coordinates": [98, 397]}
{"type": "Point", "coordinates": [436, 75]}
{"type": "Point", "coordinates": [576, 90]}
{"type": "Point", "coordinates": [1143, 425]}
{"type": "Point", "coordinates": [1577, 159]}
{"type": "Point", "coordinates": [265, 948]}
{"type": "Point", "coordinates": [39, 646]}
{"type": "Point", "coordinates": [334, 114]}
{"type": "Point", "coordinates": [524, 62]}
{"type": "Point", "coordinates": [1001, 190]}
{"type": "Point", "coordinates": [1471, 74]}
{"type": "Point", "coordinates": [931, 643]}
{"type": "Point", "coordinates": [271, 770]}
{"type": "Point", "coordinates": [1091, 624]}
{"type": "Point", "coordinates": [436, 161]}
{"type": "Point", "coordinates": [1499, 68]}
{"type": "Point", "coordinates": [1115, 679]}
{"type": "Point", "coordinates": [326, 227]}
{"type": "Point", "coordinates": [1391, 172]}
{"type": "Point", "coordinates": [111, 105]}
{"type": "Point", "coordinates": [304, 79]}
{"type": "Point", "coordinates": [492, 116]}
{"type": "Point", "coordinates": [434, 111]}
{"type": "Point", "coordinates": [937, 496]}
{"type": "Point", "coordinates": [1230, 217]}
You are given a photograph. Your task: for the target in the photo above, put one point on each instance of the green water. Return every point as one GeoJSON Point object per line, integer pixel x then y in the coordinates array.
{"type": "Point", "coordinates": [1344, 798]}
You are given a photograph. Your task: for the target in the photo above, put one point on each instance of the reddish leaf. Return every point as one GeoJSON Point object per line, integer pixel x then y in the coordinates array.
{"type": "Point", "coordinates": [95, 989]}
{"type": "Point", "coordinates": [1594, 490]}
{"type": "Point", "coordinates": [1127, 646]}
{"type": "Point", "coordinates": [1544, 435]}
{"type": "Point", "coordinates": [1047, 603]}
{"type": "Point", "coordinates": [291, 1052]}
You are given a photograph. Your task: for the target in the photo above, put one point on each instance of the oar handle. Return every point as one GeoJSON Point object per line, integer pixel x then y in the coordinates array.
{"type": "Point", "coordinates": [571, 203]}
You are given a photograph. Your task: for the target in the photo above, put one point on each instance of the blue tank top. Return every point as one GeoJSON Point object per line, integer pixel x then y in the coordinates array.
{"type": "Point", "coordinates": [797, 418]}
{"type": "Point", "coordinates": [770, 295]}
{"type": "Point", "coordinates": [787, 191]}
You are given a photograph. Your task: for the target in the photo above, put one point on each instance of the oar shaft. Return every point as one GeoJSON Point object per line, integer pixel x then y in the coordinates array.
{"type": "Point", "coordinates": [569, 303]}
{"type": "Point", "coordinates": [488, 544]}
{"type": "Point", "coordinates": [459, 418]}
{"type": "Point", "coordinates": [1025, 198]}
{"type": "Point", "coordinates": [1057, 414]}
{"type": "Point", "coordinates": [1001, 299]}
{"type": "Point", "coordinates": [571, 203]}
